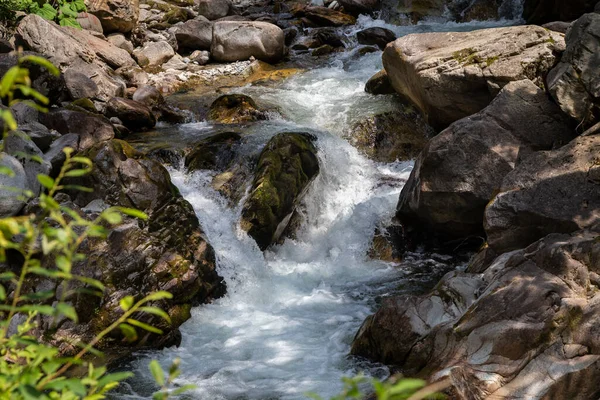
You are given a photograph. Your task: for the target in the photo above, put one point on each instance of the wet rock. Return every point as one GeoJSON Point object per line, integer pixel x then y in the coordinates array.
{"type": "Point", "coordinates": [119, 40]}
{"type": "Point", "coordinates": [149, 96]}
{"type": "Point", "coordinates": [21, 147]}
{"type": "Point", "coordinates": [234, 109]}
{"type": "Point", "coordinates": [90, 128]}
{"type": "Point", "coordinates": [323, 50]}
{"type": "Point", "coordinates": [286, 166]}
{"type": "Point", "coordinates": [452, 75]}
{"type": "Point", "coordinates": [357, 7]}
{"type": "Point", "coordinates": [11, 200]}
{"type": "Point", "coordinates": [542, 11]}
{"type": "Point", "coordinates": [530, 317]}
{"type": "Point", "coordinates": [327, 36]}
{"type": "Point", "coordinates": [379, 84]}
{"type": "Point", "coordinates": [377, 36]}
{"type": "Point", "coordinates": [550, 191]}
{"type": "Point", "coordinates": [213, 9]}
{"type": "Point", "coordinates": [154, 54]}
{"type": "Point", "coordinates": [322, 16]}
{"type": "Point", "coordinates": [90, 22]}
{"type": "Point", "coordinates": [134, 115]}
{"type": "Point", "coordinates": [195, 34]}
{"type": "Point", "coordinates": [213, 153]}
{"type": "Point", "coordinates": [387, 137]}
{"type": "Point", "coordinates": [462, 168]}
{"type": "Point", "coordinates": [115, 15]}
{"type": "Point", "coordinates": [238, 41]}
{"type": "Point", "coordinates": [574, 83]}
{"type": "Point", "coordinates": [79, 85]}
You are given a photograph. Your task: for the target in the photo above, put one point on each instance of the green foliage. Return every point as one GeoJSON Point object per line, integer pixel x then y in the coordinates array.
{"type": "Point", "coordinates": [48, 243]}
{"type": "Point", "coordinates": [64, 12]}
{"type": "Point", "coordinates": [392, 389]}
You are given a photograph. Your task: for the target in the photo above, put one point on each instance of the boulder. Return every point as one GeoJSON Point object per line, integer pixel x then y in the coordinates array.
{"type": "Point", "coordinates": [234, 109]}
{"type": "Point", "coordinates": [6, 46]}
{"type": "Point", "coordinates": [115, 15]}
{"type": "Point", "coordinates": [213, 153]}
{"type": "Point", "coordinates": [154, 54]}
{"type": "Point", "coordinates": [322, 50]}
{"type": "Point", "coordinates": [455, 74]}
{"type": "Point", "coordinates": [89, 22]}
{"type": "Point", "coordinates": [238, 41]}
{"type": "Point", "coordinates": [21, 147]}
{"type": "Point", "coordinates": [24, 113]}
{"type": "Point", "coordinates": [41, 136]}
{"type": "Point", "coordinates": [558, 26]}
{"type": "Point", "coordinates": [550, 191]}
{"type": "Point", "coordinates": [149, 96]}
{"type": "Point", "coordinates": [575, 83]}
{"type": "Point", "coordinates": [542, 11]}
{"type": "Point", "coordinates": [357, 7]}
{"type": "Point", "coordinates": [79, 85]}
{"type": "Point", "coordinates": [524, 329]}
{"type": "Point", "coordinates": [213, 9]}
{"type": "Point", "coordinates": [462, 168]}
{"type": "Point", "coordinates": [377, 36]}
{"type": "Point", "coordinates": [379, 84]}
{"type": "Point", "coordinates": [134, 115]}
{"type": "Point", "coordinates": [387, 137]}
{"type": "Point", "coordinates": [90, 128]}
{"type": "Point", "coordinates": [119, 40]}
{"type": "Point", "coordinates": [323, 16]}
{"type": "Point", "coordinates": [286, 166]}
{"type": "Point", "coordinates": [11, 186]}
{"type": "Point", "coordinates": [194, 34]}
{"type": "Point", "coordinates": [200, 56]}
{"type": "Point", "coordinates": [418, 9]}
{"type": "Point", "coordinates": [55, 154]}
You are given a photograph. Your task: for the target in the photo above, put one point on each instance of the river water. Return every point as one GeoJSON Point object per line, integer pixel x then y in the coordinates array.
{"type": "Point", "coordinates": [287, 322]}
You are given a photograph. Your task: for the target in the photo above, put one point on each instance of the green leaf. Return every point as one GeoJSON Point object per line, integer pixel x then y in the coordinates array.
{"type": "Point", "coordinates": [39, 296]}
{"type": "Point", "coordinates": [46, 181]}
{"type": "Point", "coordinates": [157, 372]}
{"type": "Point", "coordinates": [72, 22]}
{"type": "Point", "coordinates": [67, 10]}
{"type": "Point", "coordinates": [8, 80]}
{"type": "Point", "coordinates": [47, 12]}
{"type": "Point", "coordinates": [111, 216]}
{"type": "Point", "coordinates": [67, 310]}
{"type": "Point", "coordinates": [144, 326]}
{"type": "Point", "coordinates": [156, 311]}
{"type": "Point", "coordinates": [2, 293]}
{"type": "Point", "coordinates": [9, 119]}
{"type": "Point", "coordinates": [78, 188]}
{"type": "Point", "coordinates": [184, 389]}
{"type": "Point", "coordinates": [41, 61]}
{"type": "Point", "coordinates": [161, 295]}
{"type": "Point", "coordinates": [129, 332]}
{"type": "Point", "coordinates": [63, 263]}
{"type": "Point", "coordinates": [77, 172]}
{"type": "Point", "coordinates": [114, 377]}
{"type": "Point", "coordinates": [6, 171]}
{"type": "Point", "coordinates": [132, 212]}
{"type": "Point", "coordinates": [126, 302]}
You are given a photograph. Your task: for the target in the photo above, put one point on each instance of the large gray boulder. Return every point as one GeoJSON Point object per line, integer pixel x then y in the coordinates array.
{"type": "Point", "coordinates": [461, 168]}
{"type": "Point", "coordinates": [154, 54]}
{"type": "Point", "coordinates": [550, 191]}
{"type": "Point", "coordinates": [524, 329]}
{"type": "Point", "coordinates": [115, 15]}
{"type": "Point", "coordinates": [12, 186]}
{"type": "Point", "coordinates": [451, 75]}
{"type": "Point", "coordinates": [213, 9]}
{"type": "Point", "coordinates": [20, 146]}
{"type": "Point", "coordinates": [79, 85]}
{"type": "Point", "coordinates": [194, 34]}
{"type": "Point", "coordinates": [239, 40]}
{"type": "Point", "coordinates": [575, 83]}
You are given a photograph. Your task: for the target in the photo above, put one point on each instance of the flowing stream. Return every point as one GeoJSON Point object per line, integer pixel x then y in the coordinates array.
{"type": "Point", "coordinates": [287, 322]}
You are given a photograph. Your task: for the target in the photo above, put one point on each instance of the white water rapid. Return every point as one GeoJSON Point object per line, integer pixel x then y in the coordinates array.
{"type": "Point", "coordinates": [287, 321]}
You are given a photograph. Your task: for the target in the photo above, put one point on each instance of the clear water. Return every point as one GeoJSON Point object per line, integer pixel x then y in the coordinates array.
{"type": "Point", "coordinates": [287, 322]}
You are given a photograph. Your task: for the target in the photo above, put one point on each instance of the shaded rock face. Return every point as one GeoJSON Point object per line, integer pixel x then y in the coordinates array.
{"type": "Point", "coordinates": [167, 252]}
{"type": "Point", "coordinates": [377, 36]}
{"type": "Point", "coordinates": [532, 316]}
{"type": "Point", "coordinates": [20, 146]}
{"type": "Point", "coordinates": [213, 9]}
{"type": "Point", "coordinates": [323, 16]}
{"type": "Point", "coordinates": [134, 115]}
{"type": "Point", "coordinates": [391, 136]}
{"type": "Point", "coordinates": [379, 84]}
{"type": "Point", "coordinates": [234, 109]}
{"type": "Point", "coordinates": [194, 35]}
{"type": "Point", "coordinates": [90, 128]}
{"type": "Point", "coordinates": [115, 15]}
{"type": "Point", "coordinates": [460, 169]}
{"type": "Point", "coordinates": [357, 7]}
{"type": "Point", "coordinates": [239, 40]}
{"type": "Point", "coordinates": [214, 153]}
{"type": "Point", "coordinates": [551, 191]}
{"type": "Point", "coordinates": [11, 201]}
{"type": "Point", "coordinates": [542, 11]}
{"type": "Point", "coordinates": [575, 83]}
{"type": "Point", "coordinates": [452, 75]}
{"type": "Point", "coordinates": [286, 166]}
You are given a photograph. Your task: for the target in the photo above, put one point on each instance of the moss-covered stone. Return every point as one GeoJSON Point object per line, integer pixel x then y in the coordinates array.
{"type": "Point", "coordinates": [235, 109]}
{"type": "Point", "coordinates": [214, 152]}
{"type": "Point", "coordinates": [286, 166]}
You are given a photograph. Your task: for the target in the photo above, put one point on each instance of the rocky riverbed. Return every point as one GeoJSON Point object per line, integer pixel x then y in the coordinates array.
{"type": "Point", "coordinates": [429, 170]}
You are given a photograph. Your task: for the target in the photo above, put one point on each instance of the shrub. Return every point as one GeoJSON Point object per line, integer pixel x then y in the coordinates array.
{"type": "Point", "coordinates": [64, 12]}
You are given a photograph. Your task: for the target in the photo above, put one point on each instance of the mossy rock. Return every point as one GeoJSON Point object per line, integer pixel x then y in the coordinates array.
{"type": "Point", "coordinates": [214, 152]}
{"type": "Point", "coordinates": [286, 166]}
{"type": "Point", "coordinates": [235, 109]}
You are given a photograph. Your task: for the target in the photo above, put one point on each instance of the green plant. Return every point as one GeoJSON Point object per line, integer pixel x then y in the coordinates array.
{"type": "Point", "coordinates": [63, 12]}
{"type": "Point", "coordinates": [391, 389]}
{"type": "Point", "coordinates": [44, 246]}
